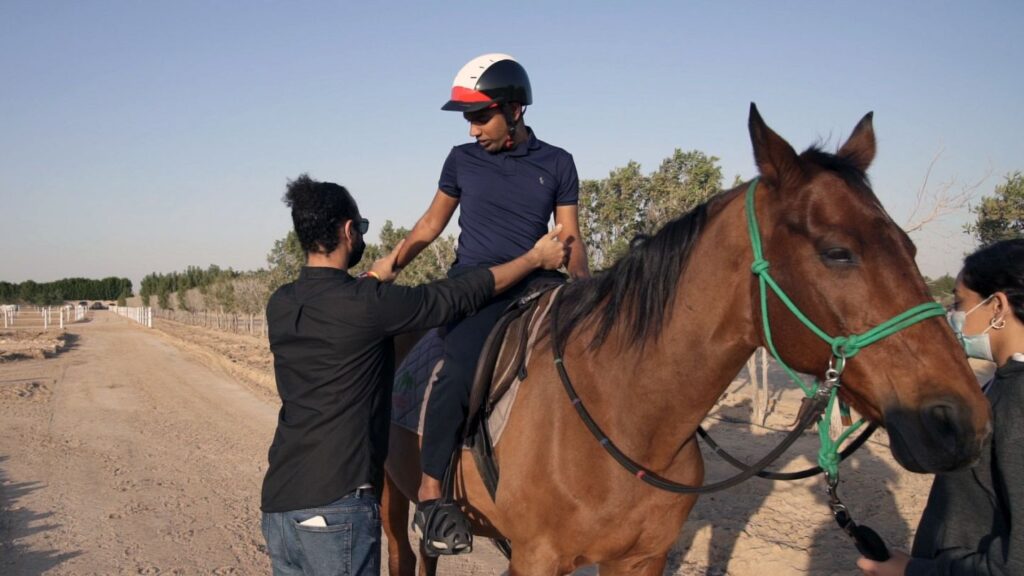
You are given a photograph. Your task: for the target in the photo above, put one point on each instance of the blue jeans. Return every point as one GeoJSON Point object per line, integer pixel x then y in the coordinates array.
{"type": "Point", "coordinates": [348, 546]}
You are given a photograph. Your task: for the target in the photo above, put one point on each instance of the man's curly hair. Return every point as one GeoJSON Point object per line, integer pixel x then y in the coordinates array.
{"type": "Point", "coordinates": [319, 210]}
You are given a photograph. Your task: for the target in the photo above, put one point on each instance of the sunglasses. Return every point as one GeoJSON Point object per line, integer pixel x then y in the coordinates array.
{"type": "Point", "coordinates": [362, 225]}
{"type": "Point", "coordinates": [480, 117]}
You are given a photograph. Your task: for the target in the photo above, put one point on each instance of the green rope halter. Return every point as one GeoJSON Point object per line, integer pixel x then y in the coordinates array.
{"type": "Point", "coordinates": [843, 347]}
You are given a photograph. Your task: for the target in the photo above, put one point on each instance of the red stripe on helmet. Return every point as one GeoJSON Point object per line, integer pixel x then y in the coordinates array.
{"type": "Point", "coordinates": [460, 94]}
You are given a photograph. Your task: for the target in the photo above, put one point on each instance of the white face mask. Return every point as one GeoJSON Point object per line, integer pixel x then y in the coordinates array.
{"type": "Point", "coordinates": [975, 345]}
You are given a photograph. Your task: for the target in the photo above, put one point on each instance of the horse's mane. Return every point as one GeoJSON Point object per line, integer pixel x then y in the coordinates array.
{"type": "Point", "coordinates": [841, 165]}
{"type": "Point", "coordinates": [640, 288]}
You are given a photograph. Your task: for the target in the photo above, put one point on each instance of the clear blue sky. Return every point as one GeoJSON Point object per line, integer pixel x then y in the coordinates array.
{"type": "Point", "coordinates": [147, 136]}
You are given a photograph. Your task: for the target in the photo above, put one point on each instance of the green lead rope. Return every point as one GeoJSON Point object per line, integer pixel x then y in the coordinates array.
{"type": "Point", "coordinates": [843, 347]}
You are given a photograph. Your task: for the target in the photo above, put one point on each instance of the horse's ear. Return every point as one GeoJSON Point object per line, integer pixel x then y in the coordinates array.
{"type": "Point", "coordinates": [860, 146]}
{"type": "Point", "coordinates": [776, 159]}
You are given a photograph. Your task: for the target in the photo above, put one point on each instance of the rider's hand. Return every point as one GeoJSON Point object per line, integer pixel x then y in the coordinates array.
{"type": "Point", "coordinates": [896, 565]}
{"type": "Point", "coordinates": [384, 268]}
{"type": "Point", "coordinates": [549, 252]}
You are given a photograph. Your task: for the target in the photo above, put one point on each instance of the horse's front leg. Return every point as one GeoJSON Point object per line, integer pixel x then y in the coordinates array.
{"type": "Point", "coordinates": [394, 509]}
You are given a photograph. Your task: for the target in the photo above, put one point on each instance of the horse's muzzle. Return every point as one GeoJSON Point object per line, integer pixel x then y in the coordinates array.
{"type": "Point", "coordinates": [938, 437]}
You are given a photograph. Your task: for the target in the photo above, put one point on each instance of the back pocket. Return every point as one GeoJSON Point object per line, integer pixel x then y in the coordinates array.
{"type": "Point", "coordinates": [327, 549]}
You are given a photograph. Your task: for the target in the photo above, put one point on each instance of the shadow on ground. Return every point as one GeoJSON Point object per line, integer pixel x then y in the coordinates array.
{"type": "Point", "coordinates": [17, 523]}
{"type": "Point", "coordinates": [728, 514]}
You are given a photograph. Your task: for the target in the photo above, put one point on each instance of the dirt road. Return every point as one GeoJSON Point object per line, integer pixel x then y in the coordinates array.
{"type": "Point", "coordinates": [125, 456]}
{"type": "Point", "coordinates": [142, 451]}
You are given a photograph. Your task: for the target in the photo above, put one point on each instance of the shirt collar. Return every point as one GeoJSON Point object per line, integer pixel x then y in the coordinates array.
{"type": "Point", "coordinates": [524, 148]}
{"type": "Point", "coordinates": [311, 272]}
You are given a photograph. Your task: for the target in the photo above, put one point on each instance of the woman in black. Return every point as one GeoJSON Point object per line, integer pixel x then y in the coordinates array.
{"type": "Point", "coordinates": [968, 526]}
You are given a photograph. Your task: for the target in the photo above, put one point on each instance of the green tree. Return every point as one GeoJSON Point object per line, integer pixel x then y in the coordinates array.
{"type": "Point", "coordinates": [1001, 216]}
{"type": "Point", "coordinates": [182, 297]}
{"type": "Point", "coordinates": [683, 181]}
{"type": "Point", "coordinates": [223, 294]}
{"type": "Point", "coordinates": [27, 291]}
{"type": "Point", "coordinates": [286, 259]}
{"type": "Point", "coordinates": [626, 203]}
{"type": "Point", "coordinates": [163, 298]}
{"type": "Point", "coordinates": [431, 264]}
{"type": "Point", "coordinates": [610, 212]}
{"type": "Point", "coordinates": [941, 288]}
{"type": "Point", "coordinates": [8, 292]}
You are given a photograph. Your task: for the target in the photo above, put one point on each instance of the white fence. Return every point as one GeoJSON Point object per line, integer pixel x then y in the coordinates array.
{"type": "Point", "coordinates": [39, 317]}
{"type": "Point", "coordinates": [142, 315]}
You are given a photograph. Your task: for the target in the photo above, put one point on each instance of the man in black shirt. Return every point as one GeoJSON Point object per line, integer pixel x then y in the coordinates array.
{"type": "Point", "coordinates": [331, 336]}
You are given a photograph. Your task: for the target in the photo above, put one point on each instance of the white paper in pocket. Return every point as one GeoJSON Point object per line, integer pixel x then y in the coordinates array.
{"type": "Point", "coordinates": [317, 521]}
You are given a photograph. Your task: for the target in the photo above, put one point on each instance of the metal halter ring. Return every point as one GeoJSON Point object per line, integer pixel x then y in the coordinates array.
{"type": "Point", "coordinates": [835, 369]}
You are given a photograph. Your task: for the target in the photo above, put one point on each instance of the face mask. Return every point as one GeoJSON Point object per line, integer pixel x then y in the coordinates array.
{"type": "Point", "coordinates": [975, 345]}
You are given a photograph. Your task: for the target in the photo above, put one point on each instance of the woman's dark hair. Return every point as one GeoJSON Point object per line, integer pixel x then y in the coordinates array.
{"type": "Point", "coordinates": [998, 268]}
{"type": "Point", "coordinates": [319, 209]}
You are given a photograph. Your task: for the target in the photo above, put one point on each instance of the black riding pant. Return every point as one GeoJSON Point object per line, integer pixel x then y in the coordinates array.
{"type": "Point", "coordinates": [448, 404]}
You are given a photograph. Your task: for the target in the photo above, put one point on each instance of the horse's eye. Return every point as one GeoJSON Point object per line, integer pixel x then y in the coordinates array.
{"type": "Point", "coordinates": [838, 255]}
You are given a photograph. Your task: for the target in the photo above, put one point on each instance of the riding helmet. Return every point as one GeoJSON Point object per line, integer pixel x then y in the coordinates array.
{"type": "Point", "coordinates": [488, 80]}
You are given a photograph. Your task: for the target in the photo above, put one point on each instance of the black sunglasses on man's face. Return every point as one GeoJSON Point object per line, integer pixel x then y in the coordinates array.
{"type": "Point", "coordinates": [362, 225]}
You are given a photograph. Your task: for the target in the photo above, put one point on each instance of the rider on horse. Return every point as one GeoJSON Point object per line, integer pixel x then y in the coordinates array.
{"type": "Point", "coordinates": [508, 184]}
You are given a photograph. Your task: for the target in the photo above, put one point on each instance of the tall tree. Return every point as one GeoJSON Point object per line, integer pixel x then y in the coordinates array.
{"type": "Point", "coordinates": [610, 212]}
{"type": "Point", "coordinates": [27, 292]}
{"type": "Point", "coordinates": [627, 203]}
{"type": "Point", "coordinates": [431, 264]}
{"type": "Point", "coordinates": [1000, 216]}
{"type": "Point", "coordinates": [223, 294]}
{"type": "Point", "coordinates": [8, 293]}
{"type": "Point", "coordinates": [163, 298]}
{"type": "Point", "coordinates": [683, 181]}
{"type": "Point", "coordinates": [286, 259]}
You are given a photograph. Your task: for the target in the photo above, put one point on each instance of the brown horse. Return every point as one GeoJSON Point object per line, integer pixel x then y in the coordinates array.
{"type": "Point", "coordinates": [653, 342]}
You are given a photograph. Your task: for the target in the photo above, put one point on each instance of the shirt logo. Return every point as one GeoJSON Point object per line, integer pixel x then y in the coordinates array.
{"type": "Point", "coordinates": [542, 180]}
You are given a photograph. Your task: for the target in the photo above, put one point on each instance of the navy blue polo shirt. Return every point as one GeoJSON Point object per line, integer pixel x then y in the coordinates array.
{"type": "Point", "coordinates": [506, 199]}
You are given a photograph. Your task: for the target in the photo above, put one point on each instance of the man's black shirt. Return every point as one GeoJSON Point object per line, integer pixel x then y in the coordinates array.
{"type": "Point", "coordinates": [331, 335]}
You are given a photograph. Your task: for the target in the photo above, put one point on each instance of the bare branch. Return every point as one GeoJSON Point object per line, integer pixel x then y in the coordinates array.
{"type": "Point", "coordinates": [947, 198]}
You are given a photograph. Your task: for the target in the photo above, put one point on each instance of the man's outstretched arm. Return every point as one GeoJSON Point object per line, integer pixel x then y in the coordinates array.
{"type": "Point", "coordinates": [427, 228]}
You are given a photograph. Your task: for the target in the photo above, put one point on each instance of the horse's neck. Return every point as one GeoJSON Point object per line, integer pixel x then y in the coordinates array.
{"type": "Point", "coordinates": [675, 380]}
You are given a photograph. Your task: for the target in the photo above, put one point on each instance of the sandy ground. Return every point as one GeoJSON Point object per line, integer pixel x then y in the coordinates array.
{"type": "Point", "coordinates": [135, 451]}
{"type": "Point", "coordinates": [32, 343]}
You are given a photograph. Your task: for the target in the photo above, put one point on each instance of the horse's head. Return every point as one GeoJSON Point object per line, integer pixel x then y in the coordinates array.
{"type": "Point", "coordinates": [848, 267]}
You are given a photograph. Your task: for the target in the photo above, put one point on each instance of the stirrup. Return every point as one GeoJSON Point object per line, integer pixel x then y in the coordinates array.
{"type": "Point", "coordinates": [443, 528]}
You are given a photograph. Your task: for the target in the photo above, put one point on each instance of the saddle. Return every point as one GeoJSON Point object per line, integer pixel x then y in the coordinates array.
{"type": "Point", "coordinates": [502, 364]}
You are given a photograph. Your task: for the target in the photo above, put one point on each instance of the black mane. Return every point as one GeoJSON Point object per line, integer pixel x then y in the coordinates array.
{"type": "Point", "coordinates": [639, 288]}
{"type": "Point", "coordinates": [841, 165]}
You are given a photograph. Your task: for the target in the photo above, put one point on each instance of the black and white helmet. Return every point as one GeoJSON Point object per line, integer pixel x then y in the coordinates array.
{"type": "Point", "coordinates": [487, 81]}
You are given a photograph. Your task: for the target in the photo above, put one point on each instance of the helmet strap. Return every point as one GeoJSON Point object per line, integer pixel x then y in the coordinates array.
{"type": "Point", "coordinates": [508, 112]}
